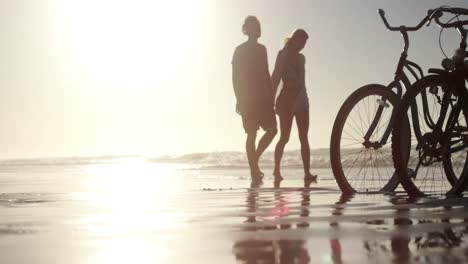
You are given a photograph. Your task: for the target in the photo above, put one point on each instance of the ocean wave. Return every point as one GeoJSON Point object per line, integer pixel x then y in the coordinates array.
{"type": "Point", "coordinates": [320, 158]}
{"type": "Point", "coordinates": [63, 161]}
{"type": "Point", "coordinates": [230, 160]}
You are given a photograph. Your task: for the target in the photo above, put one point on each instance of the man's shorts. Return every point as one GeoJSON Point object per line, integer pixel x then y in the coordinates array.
{"type": "Point", "coordinates": [264, 118]}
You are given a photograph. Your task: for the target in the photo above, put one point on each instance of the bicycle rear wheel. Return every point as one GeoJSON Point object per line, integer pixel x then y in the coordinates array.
{"type": "Point", "coordinates": [436, 162]}
{"type": "Point", "coordinates": [361, 165]}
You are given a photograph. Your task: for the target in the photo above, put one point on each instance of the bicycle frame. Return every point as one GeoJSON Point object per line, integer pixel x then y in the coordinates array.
{"type": "Point", "coordinates": [457, 83]}
{"type": "Point", "coordinates": [401, 80]}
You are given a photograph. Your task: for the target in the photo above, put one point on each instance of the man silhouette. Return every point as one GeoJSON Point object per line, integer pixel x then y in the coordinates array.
{"type": "Point", "coordinates": [253, 89]}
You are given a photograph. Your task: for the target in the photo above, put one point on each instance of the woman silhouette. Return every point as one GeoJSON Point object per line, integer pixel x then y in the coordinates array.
{"type": "Point", "coordinates": [292, 101]}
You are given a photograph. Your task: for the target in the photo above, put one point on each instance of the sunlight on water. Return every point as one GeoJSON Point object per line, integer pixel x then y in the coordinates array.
{"type": "Point", "coordinates": [124, 251]}
{"type": "Point", "coordinates": [134, 210]}
{"type": "Point", "coordinates": [130, 196]}
{"type": "Point", "coordinates": [130, 184]}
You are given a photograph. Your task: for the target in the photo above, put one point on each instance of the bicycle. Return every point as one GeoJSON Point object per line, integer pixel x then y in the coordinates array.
{"type": "Point", "coordinates": [359, 144]}
{"type": "Point", "coordinates": [433, 157]}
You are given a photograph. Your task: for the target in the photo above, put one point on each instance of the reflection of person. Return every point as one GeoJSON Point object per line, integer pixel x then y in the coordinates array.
{"type": "Point", "coordinates": [252, 250]}
{"type": "Point", "coordinates": [292, 101]}
{"type": "Point", "coordinates": [252, 86]}
{"type": "Point", "coordinates": [399, 241]}
{"type": "Point", "coordinates": [335, 245]}
{"type": "Point", "coordinates": [305, 203]}
{"type": "Point", "coordinates": [269, 251]}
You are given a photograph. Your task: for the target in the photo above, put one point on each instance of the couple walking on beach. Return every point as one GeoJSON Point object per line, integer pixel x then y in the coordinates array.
{"type": "Point", "coordinates": [256, 90]}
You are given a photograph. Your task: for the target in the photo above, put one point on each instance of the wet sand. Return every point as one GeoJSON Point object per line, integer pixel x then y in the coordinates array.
{"type": "Point", "coordinates": [115, 214]}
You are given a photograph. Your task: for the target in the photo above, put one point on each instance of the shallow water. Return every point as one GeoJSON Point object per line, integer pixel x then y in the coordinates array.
{"type": "Point", "coordinates": [131, 211]}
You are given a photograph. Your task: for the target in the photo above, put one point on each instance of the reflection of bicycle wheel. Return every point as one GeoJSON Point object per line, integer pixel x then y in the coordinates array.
{"type": "Point", "coordinates": [359, 153]}
{"type": "Point", "coordinates": [446, 238]}
{"type": "Point", "coordinates": [436, 161]}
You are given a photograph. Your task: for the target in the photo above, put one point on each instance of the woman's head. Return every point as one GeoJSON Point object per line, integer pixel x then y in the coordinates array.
{"type": "Point", "coordinates": [251, 27]}
{"type": "Point", "coordinates": [297, 40]}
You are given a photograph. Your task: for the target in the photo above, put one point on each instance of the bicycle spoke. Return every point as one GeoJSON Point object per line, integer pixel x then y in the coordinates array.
{"type": "Point", "coordinates": [367, 167]}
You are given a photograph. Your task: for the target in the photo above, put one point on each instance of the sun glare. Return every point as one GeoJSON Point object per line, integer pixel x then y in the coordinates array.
{"type": "Point", "coordinates": [130, 41]}
{"type": "Point", "coordinates": [130, 197]}
{"type": "Point", "coordinates": [130, 184]}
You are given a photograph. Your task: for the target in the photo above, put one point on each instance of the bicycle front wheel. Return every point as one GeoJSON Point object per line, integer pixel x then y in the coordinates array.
{"type": "Point", "coordinates": [359, 154]}
{"type": "Point", "coordinates": [436, 162]}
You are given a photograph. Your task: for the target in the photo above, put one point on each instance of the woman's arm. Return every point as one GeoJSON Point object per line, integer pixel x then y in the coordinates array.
{"type": "Point", "coordinates": [302, 70]}
{"type": "Point", "coordinates": [277, 72]}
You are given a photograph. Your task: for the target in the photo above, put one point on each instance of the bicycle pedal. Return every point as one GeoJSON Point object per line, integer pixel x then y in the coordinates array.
{"type": "Point", "coordinates": [460, 128]}
{"type": "Point", "coordinates": [433, 90]}
{"type": "Point", "coordinates": [382, 103]}
{"type": "Point", "coordinates": [411, 173]}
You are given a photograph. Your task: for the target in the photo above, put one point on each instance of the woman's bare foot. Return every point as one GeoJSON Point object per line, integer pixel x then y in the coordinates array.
{"type": "Point", "coordinates": [278, 176]}
{"type": "Point", "coordinates": [309, 178]}
{"type": "Point", "coordinates": [277, 184]}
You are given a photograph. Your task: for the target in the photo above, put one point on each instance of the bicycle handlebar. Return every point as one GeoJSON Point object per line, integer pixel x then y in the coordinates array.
{"type": "Point", "coordinates": [450, 25]}
{"type": "Point", "coordinates": [404, 28]}
{"type": "Point", "coordinates": [457, 11]}
{"type": "Point", "coordinates": [436, 14]}
{"type": "Point", "coordinates": [454, 10]}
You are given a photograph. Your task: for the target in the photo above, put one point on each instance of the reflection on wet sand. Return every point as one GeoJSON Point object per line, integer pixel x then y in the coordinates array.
{"type": "Point", "coordinates": [335, 244]}
{"type": "Point", "coordinates": [438, 234]}
{"type": "Point", "coordinates": [400, 241]}
{"type": "Point", "coordinates": [271, 251]}
{"type": "Point", "coordinates": [121, 223]}
{"type": "Point", "coordinates": [281, 222]}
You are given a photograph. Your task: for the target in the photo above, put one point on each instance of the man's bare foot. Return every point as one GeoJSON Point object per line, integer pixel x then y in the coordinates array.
{"type": "Point", "coordinates": [257, 178]}
{"type": "Point", "coordinates": [257, 174]}
{"type": "Point", "coordinates": [256, 183]}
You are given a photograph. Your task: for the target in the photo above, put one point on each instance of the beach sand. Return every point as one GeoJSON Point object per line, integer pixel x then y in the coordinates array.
{"type": "Point", "coordinates": [137, 212]}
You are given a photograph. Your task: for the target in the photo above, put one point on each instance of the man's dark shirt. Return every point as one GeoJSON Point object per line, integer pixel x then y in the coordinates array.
{"type": "Point", "coordinates": [251, 77]}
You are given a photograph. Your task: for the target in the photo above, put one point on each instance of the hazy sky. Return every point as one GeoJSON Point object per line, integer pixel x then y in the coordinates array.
{"type": "Point", "coordinates": [93, 77]}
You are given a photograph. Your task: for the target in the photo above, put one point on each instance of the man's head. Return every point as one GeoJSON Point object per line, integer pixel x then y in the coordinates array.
{"type": "Point", "coordinates": [251, 27]}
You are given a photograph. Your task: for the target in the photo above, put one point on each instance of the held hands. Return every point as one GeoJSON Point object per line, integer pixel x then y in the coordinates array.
{"type": "Point", "coordinates": [238, 109]}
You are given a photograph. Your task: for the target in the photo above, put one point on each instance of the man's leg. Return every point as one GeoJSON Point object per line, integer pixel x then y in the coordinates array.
{"type": "Point", "coordinates": [265, 141]}
{"type": "Point", "coordinates": [268, 123]}
{"type": "Point", "coordinates": [251, 153]}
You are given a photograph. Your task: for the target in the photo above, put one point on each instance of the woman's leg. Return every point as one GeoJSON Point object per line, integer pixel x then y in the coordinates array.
{"type": "Point", "coordinates": [285, 128]}
{"type": "Point", "coordinates": [302, 121]}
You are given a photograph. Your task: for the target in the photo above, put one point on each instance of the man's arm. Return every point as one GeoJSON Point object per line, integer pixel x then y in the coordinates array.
{"type": "Point", "coordinates": [236, 80]}
{"type": "Point", "coordinates": [267, 71]}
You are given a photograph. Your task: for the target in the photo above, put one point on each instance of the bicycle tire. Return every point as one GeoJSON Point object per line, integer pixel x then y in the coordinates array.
{"type": "Point", "coordinates": [342, 175]}
{"type": "Point", "coordinates": [401, 160]}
